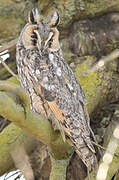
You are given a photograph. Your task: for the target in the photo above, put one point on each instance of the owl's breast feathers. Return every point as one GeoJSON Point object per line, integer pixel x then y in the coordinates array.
{"type": "Point", "coordinates": [66, 100]}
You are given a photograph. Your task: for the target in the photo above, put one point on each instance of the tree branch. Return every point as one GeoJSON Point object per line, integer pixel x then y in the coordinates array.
{"type": "Point", "coordinates": [31, 123]}
{"type": "Point", "coordinates": [8, 45]}
{"type": "Point", "coordinates": [59, 168]}
{"type": "Point", "coordinates": [17, 90]}
{"type": "Point", "coordinates": [9, 138]}
{"type": "Point", "coordinates": [103, 61]}
{"type": "Point", "coordinates": [8, 69]}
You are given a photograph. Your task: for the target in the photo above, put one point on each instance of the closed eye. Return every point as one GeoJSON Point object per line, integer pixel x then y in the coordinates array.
{"type": "Point", "coordinates": [34, 36]}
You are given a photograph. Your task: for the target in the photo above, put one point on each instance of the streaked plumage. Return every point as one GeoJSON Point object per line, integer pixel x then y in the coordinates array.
{"type": "Point", "coordinates": [52, 86]}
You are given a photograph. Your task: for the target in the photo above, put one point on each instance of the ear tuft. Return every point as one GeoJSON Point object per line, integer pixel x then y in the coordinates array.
{"type": "Point", "coordinates": [54, 20]}
{"type": "Point", "coordinates": [34, 16]}
{"type": "Point", "coordinates": [31, 17]}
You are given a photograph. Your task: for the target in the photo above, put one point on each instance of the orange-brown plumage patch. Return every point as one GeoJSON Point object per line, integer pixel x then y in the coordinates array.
{"type": "Point", "coordinates": [57, 112]}
{"type": "Point", "coordinates": [39, 107]}
{"type": "Point", "coordinates": [60, 115]}
{"type": "Point", "coordinates": [45, 103]}
{"type": "Point", "coordinates": [27, 36]}
{"type": "Point", "coordinates": [52, 23]}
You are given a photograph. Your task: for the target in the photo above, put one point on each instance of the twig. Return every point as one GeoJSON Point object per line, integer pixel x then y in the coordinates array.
{"type": "Point", "coordinates": [98, 145]}
{"type": "Point", "coordinates": [22, 162]}
{"type": "Point", "coordinates": [105, 60]}
{"type": "Point", "coordinates": [9, 45]}
{"type": "Point", "coordinates": [103, 148]}
{"type": "Point", "coordinates": [8, 69]}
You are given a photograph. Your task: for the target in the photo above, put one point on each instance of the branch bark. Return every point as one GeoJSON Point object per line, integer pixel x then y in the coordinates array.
{"type": "Point", "coordinates": [59, 168]}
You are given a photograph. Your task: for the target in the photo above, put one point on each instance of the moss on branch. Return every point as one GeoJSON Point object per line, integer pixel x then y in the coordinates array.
{"type": "Point", "coordinates": [59, 168]}
{"type": "Point", "coordinates": [9, 138]}
{"type": "Point", "coordinates": [16, 90]}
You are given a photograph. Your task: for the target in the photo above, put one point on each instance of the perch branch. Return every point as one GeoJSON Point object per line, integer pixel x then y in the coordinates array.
{"type": "Point", "coordinates": [31, 122]}
{"type": "Point", "coordinates": [17, 90]}
{"type": "Point", "coordinates": [59, 167]}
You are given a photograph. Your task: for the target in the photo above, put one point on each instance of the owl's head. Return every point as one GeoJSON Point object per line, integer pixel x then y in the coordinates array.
{"type": "Point", "coordinates": [39, 33]}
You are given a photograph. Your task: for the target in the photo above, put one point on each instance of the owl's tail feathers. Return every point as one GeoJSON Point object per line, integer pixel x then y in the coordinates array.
{"type": "Point", "coordinates": [88, 157]}
{"type": "Point", "coordinates": [86, 153]}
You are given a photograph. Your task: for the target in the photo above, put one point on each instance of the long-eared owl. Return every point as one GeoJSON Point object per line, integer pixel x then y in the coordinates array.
{"type": "Point", "coordinates": [51, 84]}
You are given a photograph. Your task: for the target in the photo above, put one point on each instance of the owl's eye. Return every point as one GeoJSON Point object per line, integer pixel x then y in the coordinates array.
{"type": "Point", "coordinates": [33, 38]}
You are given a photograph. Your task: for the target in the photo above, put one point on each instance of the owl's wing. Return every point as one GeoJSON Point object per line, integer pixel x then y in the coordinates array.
{"type": "Point", "coordinates": [64, 95]}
